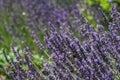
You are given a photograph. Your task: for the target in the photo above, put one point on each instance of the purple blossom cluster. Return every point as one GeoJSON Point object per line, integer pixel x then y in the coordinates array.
{"type": "Point", "coordinates": [93, 55]}
{"type": "Point", "coordinates": [22, 68]}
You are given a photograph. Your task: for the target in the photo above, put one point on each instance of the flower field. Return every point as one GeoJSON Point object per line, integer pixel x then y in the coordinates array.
{"type": "Point", "coordinates": [59, 40]}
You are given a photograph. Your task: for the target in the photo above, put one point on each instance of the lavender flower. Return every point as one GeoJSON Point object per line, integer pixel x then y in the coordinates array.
{"type": "Point", "coordinates": [93, 55]}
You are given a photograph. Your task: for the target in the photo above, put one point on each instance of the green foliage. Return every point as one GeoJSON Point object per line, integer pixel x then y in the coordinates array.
{"type": "Point", "coordinates": [103, 3]}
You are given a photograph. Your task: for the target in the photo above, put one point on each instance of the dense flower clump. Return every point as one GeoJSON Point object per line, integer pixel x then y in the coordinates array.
{"type": "Point", "coordinates": [92, 54]}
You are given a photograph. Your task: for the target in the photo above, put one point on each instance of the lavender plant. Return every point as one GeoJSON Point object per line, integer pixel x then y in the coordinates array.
{"type": "Point", "coordinates": [95, 57]}
{"type": "Point", "coordinates": [94, 54]}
